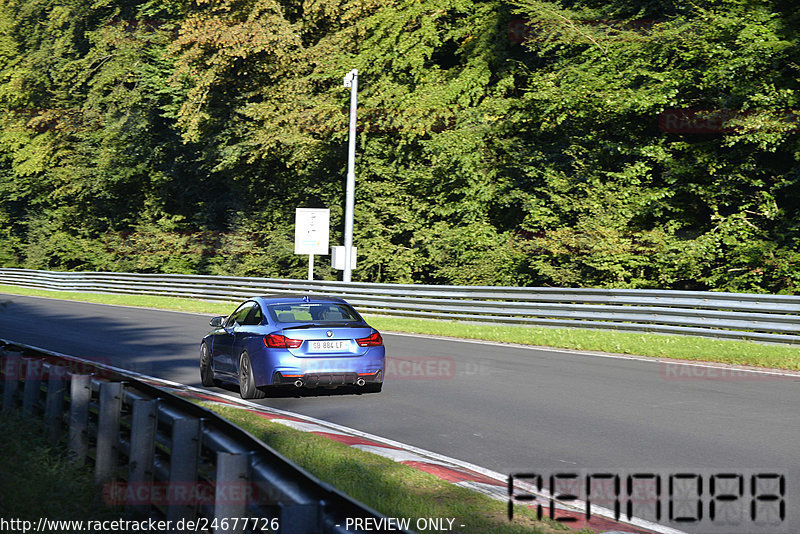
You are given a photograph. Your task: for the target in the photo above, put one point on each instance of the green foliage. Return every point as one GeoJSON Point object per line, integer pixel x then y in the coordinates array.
{"type": "Point", "coordinates": [179, 136]}
{"type": "Point", "coordinates": [620, 203]}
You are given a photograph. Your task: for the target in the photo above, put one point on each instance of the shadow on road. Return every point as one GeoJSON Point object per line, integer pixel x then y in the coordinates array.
{"type": "Point", "coordinates": [291, 392]}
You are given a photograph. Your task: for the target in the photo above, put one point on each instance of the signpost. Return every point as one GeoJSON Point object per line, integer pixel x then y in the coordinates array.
{"type": "Point", "coordinates": [311, 232]}
{"type": "Point", "coordinates": [351, 81]}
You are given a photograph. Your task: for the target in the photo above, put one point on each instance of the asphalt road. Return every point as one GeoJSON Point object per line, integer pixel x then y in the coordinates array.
{"type": "Point", "coordinates": [505, 408]}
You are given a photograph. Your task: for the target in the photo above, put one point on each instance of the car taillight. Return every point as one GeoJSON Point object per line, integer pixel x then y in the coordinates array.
{"type": "Point", "coordinates": [373, 340]}
{"type": "Point", "coordinates": [277, 341]}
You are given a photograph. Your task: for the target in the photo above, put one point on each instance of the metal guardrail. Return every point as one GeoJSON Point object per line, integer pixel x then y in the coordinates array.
{"type": "Point", "coordinates": [771, 318]}
{"type": "Point", "coordinates": [156, 455]}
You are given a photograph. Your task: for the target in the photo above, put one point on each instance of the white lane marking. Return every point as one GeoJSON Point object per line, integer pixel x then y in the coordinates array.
{"type": "Point", "coordinates": [399, 455]}
{"type": "Point", "coordinates": [496, 492]}
{"type": "Point", "coordinates": [615, 356]}
{"type": "Point", "coordinates": [439, 459]}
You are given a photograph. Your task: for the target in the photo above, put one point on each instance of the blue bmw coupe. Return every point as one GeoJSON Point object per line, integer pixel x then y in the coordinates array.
{"type": "Point", "coordinates": [296, 341]}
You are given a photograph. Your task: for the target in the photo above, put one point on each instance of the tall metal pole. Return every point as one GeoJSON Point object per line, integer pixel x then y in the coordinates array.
{"type": "Point", "coordinates": [351, 81]}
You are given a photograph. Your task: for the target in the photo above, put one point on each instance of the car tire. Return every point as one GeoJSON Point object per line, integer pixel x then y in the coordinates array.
{"type": "Point", "coordinates": [247, 384]}
{"type": "Point", "coordinates": [206, 371]}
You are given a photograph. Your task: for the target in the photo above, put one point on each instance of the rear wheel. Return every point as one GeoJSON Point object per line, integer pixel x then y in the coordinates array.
{"type": "Point", "coordinates": [206, 372]}
{"type": "Point", "coordinates": [247, 385]}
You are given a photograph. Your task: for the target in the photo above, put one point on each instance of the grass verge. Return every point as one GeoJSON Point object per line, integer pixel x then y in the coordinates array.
{"type": "Point", "coordinates": [37, 481]}
{"type": "Point", "coordinates": [141, 301]}
{"type": "Point", "coordinates": [391, 488]}
{"type": "Point", "coordinates": [654, 345]}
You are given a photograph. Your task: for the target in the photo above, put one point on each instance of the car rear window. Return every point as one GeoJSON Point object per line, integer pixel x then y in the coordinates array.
{"type": "Point", "coordinates": [312, 312]}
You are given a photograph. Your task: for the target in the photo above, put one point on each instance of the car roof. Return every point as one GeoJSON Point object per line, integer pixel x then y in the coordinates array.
{"type": "Point", "coordinates": [295, 298]}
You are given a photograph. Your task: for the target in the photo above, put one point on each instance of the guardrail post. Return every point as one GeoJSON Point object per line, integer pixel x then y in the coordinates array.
{"type": "Point", "coordinates": [143, 442]}
{"type": "Point", "coordinates": [80, 392]}
{"type": "Point", "coordinates": [54, 402]}
{"type": "Point", "coordinates": [32, 389]}
{"type": "Point", "coordinates": [107, 452]}
{"type": "Point", "coordinates": [231, 491]}
{"type": "Point", "coordinates": [11, 370]}
{"type": "Point", "coordinates": [183, 461]}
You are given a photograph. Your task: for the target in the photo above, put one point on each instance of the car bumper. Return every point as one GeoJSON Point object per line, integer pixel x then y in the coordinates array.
{"type": "Point", "coordinates": [284, 368]}
{"type": "Point", "coordinates": [327, 379]}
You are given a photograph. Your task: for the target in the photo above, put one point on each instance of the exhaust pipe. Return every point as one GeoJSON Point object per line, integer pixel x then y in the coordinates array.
{"type": "Point", "coordinates": [360, 382]}
{"type": "Point", "coordinates": [298, 383]}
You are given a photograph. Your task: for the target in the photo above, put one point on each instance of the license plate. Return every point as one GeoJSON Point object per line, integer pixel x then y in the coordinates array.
{"type": "Point", "coordinates": [332, 345]}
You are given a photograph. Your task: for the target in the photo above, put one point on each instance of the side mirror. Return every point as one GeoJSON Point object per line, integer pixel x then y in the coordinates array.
{"type": "Point", "coordinates": [216, 322]}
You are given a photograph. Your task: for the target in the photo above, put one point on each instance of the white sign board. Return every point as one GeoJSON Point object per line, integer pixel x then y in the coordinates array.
{"type": "Point", "coordinates": [337, 258]}
{"type": "Point", "coordinates": [311, 230]}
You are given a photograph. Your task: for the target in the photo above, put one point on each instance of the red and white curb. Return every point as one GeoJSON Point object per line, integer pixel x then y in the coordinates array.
{"type": "Point", "coordinates": [475, 478]}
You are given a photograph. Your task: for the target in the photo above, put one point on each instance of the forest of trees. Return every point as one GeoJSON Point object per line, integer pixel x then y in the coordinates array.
{"type": "Point", "coordinates": [580, 143]}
